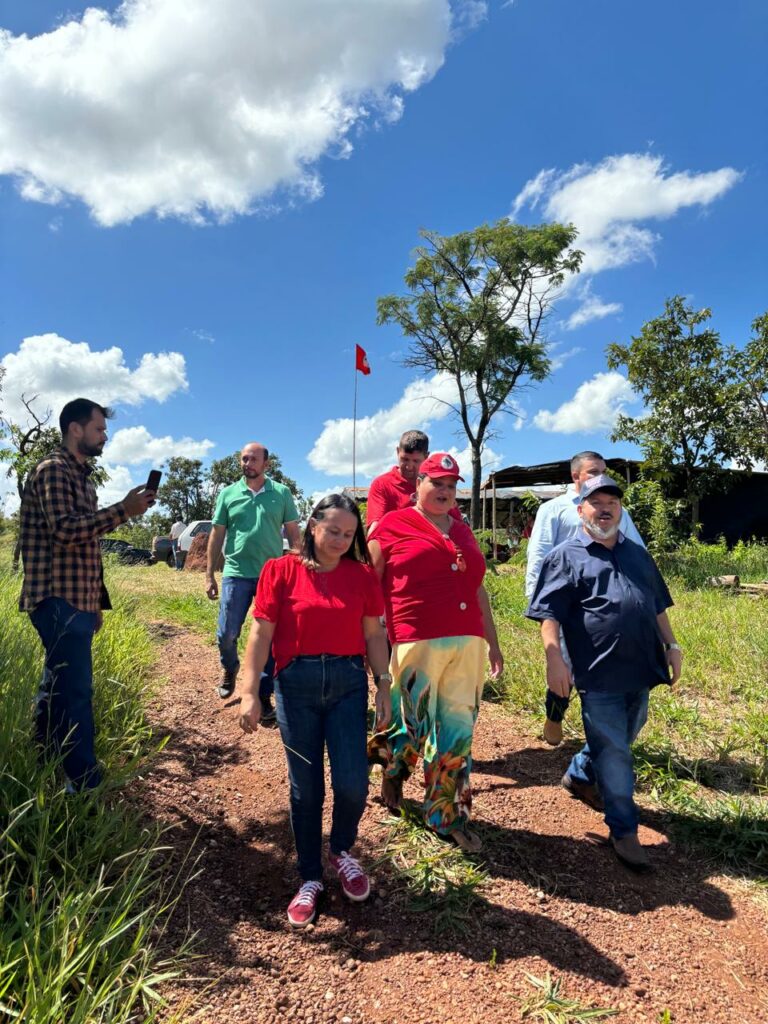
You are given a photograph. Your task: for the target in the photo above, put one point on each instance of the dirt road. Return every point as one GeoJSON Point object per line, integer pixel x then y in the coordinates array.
{"type": "Point", "coordinates": [682, 939]}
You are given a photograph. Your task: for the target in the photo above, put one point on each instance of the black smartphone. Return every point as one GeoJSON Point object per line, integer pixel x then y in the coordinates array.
{"type": "Point", "coordinates": [153, 480]}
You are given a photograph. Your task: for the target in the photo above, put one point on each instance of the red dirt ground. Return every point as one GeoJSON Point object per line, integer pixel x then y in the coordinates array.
{"type": "Point", "coordinates": [557, 901]}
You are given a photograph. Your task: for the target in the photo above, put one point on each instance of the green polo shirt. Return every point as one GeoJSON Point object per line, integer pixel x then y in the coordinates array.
{"type": "Point", "coordinates": [253, 525]}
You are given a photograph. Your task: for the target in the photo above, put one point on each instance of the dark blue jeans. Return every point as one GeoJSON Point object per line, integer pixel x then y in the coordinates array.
{"type": "Point", "coordinates": [612, 722]}
{"type": "Point", "coordinates": [322, 702]}
{"type": "Point", "coordinates": [64, 715]}
{"type": "Point", "coordinates": [236, 599]}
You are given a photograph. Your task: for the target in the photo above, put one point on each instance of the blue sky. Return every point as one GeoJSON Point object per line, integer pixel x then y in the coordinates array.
{"type": "Point", "coordinates": [200, 204]}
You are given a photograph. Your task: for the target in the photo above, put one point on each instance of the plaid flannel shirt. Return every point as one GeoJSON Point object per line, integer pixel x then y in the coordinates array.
{"type": "Point", "coordinates": [60, 529]}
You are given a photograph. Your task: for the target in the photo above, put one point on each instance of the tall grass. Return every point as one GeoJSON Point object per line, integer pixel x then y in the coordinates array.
{"type": "Point", "coordinates": [84, 885]}
{"type": "Point", "coordinates": [159, 593]}
{"type": "Point", "coordinates": [692, 563]}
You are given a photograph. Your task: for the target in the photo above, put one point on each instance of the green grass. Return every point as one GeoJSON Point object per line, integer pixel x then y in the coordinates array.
{"type": "Point", "coordinates": [547, 1003]}
{"type": "Point", "coordinates": [85, 891]}
{"type": "Point", "coordinates": [693, 563]}
{"type": "Point", "coordinates": [159, 593]}
{"type": "Point", "coordinates": [432, 876]}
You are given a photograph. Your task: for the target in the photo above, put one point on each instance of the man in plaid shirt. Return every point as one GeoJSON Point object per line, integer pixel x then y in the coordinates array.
{"type": "Point", "coordinates": [63, 589]}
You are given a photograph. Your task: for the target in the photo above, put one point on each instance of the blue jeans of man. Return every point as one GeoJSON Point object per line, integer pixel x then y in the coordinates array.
{"type": "Point", "coordinates": [612, 722]}
{"type": "Point", "coordinates": [64, 722]}
{"type": "Point", "coordinates": [323, 702]}
{"type": "Point", "coordinates": [177, 559]}
{"type": "Point", "coordinates": [236, 599]}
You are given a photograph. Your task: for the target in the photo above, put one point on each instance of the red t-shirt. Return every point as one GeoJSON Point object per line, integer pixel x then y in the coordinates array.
{"type": "Point", "coordinates": [425, 590]}
{"type": "Point", "coordinates": [390, 492]}
{"type": "Point", "coordinates": [316, 612]}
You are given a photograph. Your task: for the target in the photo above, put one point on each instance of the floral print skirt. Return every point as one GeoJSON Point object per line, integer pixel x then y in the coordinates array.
{"type": "Point", "coordinates": [436, 690]}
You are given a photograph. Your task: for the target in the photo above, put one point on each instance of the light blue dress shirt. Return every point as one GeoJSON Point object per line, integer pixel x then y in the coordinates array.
{"type": "Point", "coordinates": [558, 520]}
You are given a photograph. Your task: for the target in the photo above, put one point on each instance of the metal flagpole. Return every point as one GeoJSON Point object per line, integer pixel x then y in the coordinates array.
{"type": "Point", "coordinates": [354, 431]}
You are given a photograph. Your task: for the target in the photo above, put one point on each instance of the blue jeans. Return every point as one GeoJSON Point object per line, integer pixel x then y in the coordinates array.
{"type": "Point", "coordinates": [612, 722]}
{"type": "Point", "coordinates": [322, 702]}
{"type": "Point", "coordinates": [177, 562]}
{"type": "Point", "coordinates": [64, 714]}
{"type": "Point", "coordinates": [236, 600]}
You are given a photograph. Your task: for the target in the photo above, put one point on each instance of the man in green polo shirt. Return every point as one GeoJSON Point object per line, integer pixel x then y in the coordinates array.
{"type": "Point", "coordinates": [251, 514]}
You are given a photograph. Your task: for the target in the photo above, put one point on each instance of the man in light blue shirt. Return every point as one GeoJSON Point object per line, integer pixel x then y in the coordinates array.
{"type": "Point", "coordinates": [558, 520]}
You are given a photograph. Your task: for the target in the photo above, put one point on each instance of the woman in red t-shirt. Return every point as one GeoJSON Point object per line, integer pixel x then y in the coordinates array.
{"type": "Point", "coordinates": [441, 628]}
{"type": "Point", "coordinates": [319, 612]}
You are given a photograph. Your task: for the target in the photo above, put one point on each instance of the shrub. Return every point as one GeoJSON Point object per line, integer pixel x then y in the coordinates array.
{"type": "Point", "coordinates": [659, 520]}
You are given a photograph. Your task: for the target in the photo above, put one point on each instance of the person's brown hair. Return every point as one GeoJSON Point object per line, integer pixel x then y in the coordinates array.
{"type": "Point", "coordinates": [81, 410]}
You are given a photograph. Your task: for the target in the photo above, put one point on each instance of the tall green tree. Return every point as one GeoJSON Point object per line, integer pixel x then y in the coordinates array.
{"type": "Point", "coordinates": [184, 490]}
{"type": "Point", "coordinates": [223, 472]}
{"type": "Point", "coordinates": [475, 308]}
{"type": "Point", "coordinates": [750, 370]}
{"type": "Point", "coordinates": [679, 368]}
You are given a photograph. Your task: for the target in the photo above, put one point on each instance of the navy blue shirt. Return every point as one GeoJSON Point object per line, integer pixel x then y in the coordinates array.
{"type": "Point", "coordinates": [606, 600]}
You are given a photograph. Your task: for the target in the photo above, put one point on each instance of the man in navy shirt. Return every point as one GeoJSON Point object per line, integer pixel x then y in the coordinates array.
{"type": "Point", "coordinates": [608, 596]}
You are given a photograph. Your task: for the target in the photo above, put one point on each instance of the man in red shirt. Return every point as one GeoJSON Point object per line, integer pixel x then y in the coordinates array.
{"type": "Point", "coordinates": [397, 488]}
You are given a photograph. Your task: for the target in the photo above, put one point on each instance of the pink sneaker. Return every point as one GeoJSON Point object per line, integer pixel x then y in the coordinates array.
{"type": "Point", "coordinates": [354, 880]}
{"type": "Point", "coordinates": [302, 910]}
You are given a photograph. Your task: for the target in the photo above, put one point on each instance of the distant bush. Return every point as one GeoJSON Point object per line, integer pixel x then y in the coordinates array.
{"type": "Point", "coordinates": [484, 540]}
{"type": "Point", "coordinates": [659, 519]}
{"type": "Point", "coordinates": [693, 563]}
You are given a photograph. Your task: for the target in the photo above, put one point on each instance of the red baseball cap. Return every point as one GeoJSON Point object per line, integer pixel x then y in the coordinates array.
{"type": "Point", "coordinates": [440, 464]}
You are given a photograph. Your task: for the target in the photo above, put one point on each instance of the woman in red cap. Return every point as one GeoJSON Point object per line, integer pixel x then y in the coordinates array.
{"type": "Point", "coordinates": [441, 629]}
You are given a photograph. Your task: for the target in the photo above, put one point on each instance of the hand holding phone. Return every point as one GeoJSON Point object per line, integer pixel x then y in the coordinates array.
{"type": "Point", "coordinates": [153, 482]}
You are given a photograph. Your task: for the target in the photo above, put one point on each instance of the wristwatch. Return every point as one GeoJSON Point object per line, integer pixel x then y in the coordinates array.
{"type": "Point", "coordinates": [672, 647]}
{"type": "Point", "coordinates": [385, 677]}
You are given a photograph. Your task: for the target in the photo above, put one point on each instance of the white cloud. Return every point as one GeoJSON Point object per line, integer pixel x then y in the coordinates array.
{"type": "Point", "coordinates": [592, 308]}
{"type": "Point", "coordinates": [423, 403]}
{"type": "Point", "coordinates": [607, 202]}
{"type": "Point", "coordinates": [490, 460]}
{"type": "Point", "coordinates": [135, 445]}
{"type": "Point", "coordinates": [115, 489]}
{"type": "Point", "coordinates": [594, 407]}
{"type": "Point", "coordinates": [558, 359]}
{"type": "Point", "coordinates": [58, 370]}
{"type": "Point", "coordinates": [202, 335]}
{"type": "Point", "coordinates": [195, 109]}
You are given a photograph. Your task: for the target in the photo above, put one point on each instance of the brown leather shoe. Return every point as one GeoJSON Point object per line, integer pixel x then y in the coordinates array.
{"type": "Point", "coordinates": [583, 791]}
{"type": "Point", "coordinates": [553, 732]}
{"type": "Point", "coordinates": [630, 852]}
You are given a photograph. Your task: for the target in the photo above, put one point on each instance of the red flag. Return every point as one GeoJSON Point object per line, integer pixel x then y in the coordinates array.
{"type": "Point", "coordinates": [361, 361]}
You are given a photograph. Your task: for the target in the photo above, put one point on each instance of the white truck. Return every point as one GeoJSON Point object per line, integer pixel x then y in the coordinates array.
{"type": "Point", "coordinates": [163, 551]}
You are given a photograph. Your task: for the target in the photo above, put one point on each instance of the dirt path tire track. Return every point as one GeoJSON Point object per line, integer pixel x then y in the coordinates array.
{"type": "Point", "coordinates": [556, 899]}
